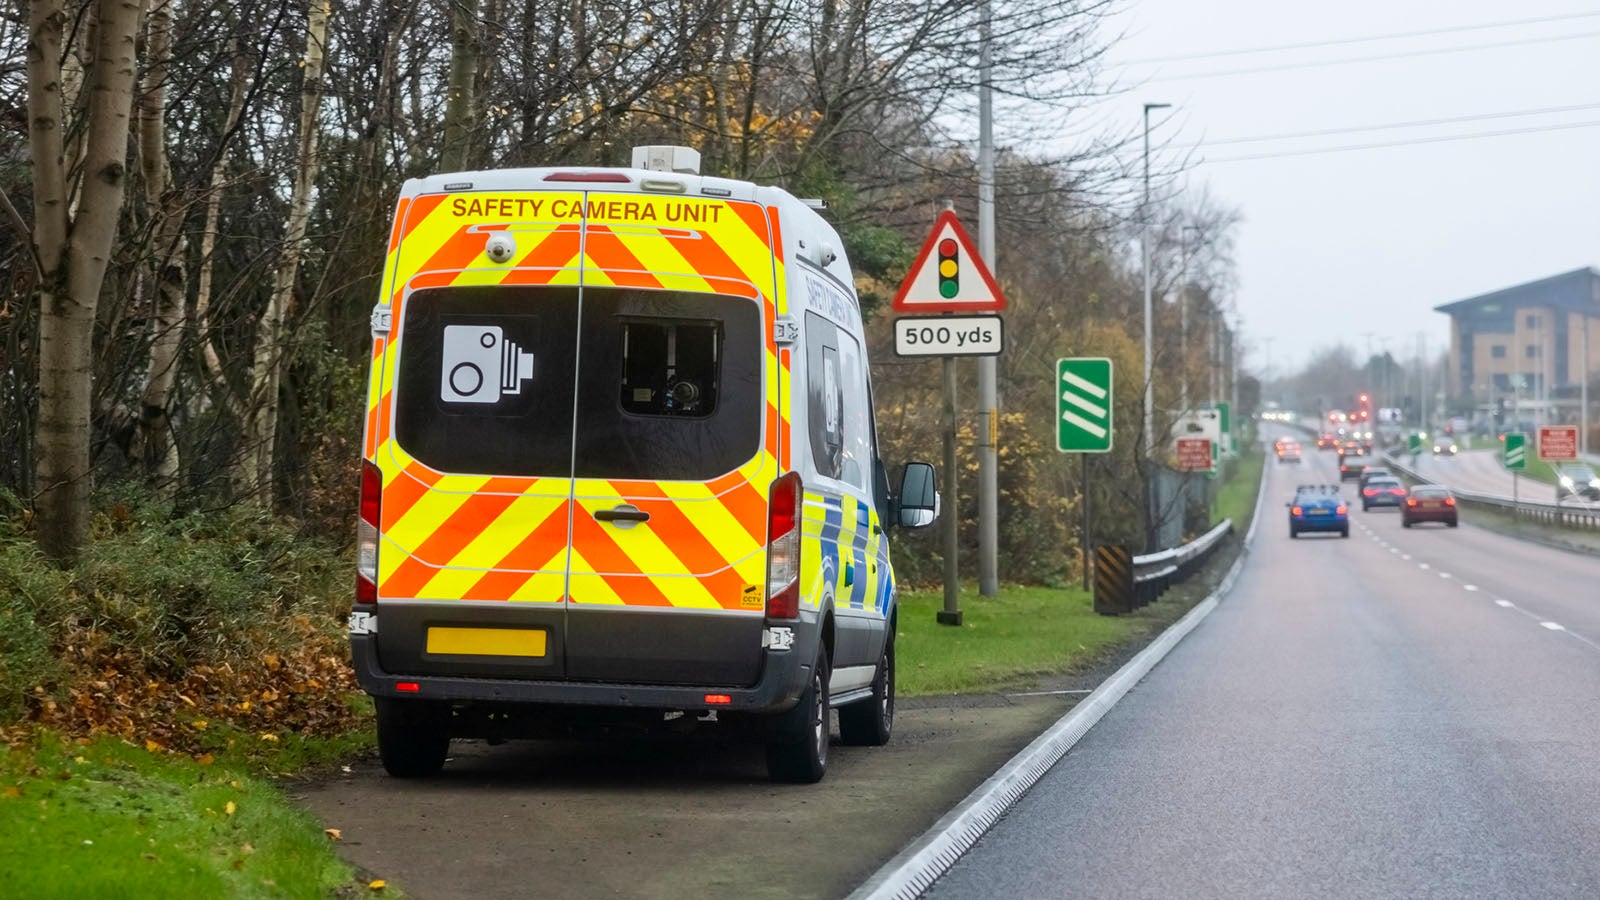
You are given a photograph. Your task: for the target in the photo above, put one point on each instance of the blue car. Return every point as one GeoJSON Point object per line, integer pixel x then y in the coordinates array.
{"type": "Point", "coordinates": [1318, 507]}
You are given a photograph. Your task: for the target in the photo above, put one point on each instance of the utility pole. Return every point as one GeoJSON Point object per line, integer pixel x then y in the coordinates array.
{"type": "Point", "coordinates": [1149, 443]}
{"type": "Point", "coordinates": [1422, 380]}
{"type": "Point", "coordinates": [988, 399]}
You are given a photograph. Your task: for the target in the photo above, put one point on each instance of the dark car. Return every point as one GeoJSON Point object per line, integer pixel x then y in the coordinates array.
{"type": "Point", "coordinates": [1327, 441]}
{"type": "Point", "coordinates": [1429, 503]}
{"type": "Point", "coordinates": [1318, 507]}
{"type": "Point", "coordinates": [1577, 481]}
{"type": "Point", "coordinates": [1444, 446]}
{"type": "Point", "coordinates": [1351, 461]}
{"type": "Point", "coordinates": [1382, 491]}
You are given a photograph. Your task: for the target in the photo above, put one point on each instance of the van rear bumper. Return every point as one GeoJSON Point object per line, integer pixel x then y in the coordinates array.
{"type": "Point", "coordinates": [784, 675]}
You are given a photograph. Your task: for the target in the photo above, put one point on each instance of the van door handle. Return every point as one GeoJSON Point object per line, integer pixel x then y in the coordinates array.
{"type": "Point", "coordinates": [624, 513]}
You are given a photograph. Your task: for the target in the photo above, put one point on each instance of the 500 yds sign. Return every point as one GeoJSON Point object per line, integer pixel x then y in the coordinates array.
{"type": "Point", "coordinates": [948, 336]}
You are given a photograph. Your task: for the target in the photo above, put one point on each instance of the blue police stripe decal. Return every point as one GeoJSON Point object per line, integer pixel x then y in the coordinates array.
{"type": "Point", "coordinates": [832, 520]}
{"type": "Point", "coordinates": [858, 591]}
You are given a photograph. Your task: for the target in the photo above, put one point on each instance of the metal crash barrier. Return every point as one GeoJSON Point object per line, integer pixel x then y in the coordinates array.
{"type": "Point", "coordinates": [1566, 514]}
{"type": "Point", "coordinates": [1123, 583]}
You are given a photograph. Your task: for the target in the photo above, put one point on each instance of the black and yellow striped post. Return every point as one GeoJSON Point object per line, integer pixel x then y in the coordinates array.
{"type": "Point", "coordinates": [1113, 580]}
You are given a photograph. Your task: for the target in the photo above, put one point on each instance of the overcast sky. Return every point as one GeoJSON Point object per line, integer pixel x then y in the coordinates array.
{"type": "Point", "coordinates": [1336, 245]}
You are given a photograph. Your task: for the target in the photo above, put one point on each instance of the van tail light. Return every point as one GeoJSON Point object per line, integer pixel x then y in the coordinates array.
{"type": "Point", "coordinates": [1449, 501]}
{"type": "Point", "coordinates": [1296, 511]}
{"type": "Point", "coordinates": [784, 503]}
{"type": "Point", "coordinates": [367, 533]}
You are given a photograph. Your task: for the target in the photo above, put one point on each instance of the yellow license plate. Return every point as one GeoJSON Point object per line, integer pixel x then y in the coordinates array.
{"type": "Point", "coordinates": [486, 641]}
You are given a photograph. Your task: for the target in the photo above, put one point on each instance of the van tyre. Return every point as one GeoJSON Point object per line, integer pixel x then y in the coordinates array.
{"type": "Point", "coordinates": [413, 736]}
{"type": "Point", "coordinates": [871, 722]}
{"type": "Point", "coordinates": [798, 751]}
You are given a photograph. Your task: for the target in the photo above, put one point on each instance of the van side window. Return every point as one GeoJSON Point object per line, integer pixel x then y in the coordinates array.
{"type": "Point", "coordinates": [670, 367]}
{"type": "Point", "coordinates": [836, 394]}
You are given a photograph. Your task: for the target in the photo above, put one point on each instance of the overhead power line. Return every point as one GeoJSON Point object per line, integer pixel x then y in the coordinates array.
{"type": "Point", "coordinates": [1415, 123]}
{"type": "Point", "coordinates": [1363, 39]}
{"type": "Point", "coordinates": [1376, 57]}
{"type": "Point", "coordinates": [1439, 139]}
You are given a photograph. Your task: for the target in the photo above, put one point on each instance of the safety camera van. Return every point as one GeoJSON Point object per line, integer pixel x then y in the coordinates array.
{"type": "Point", "coordinates": [621, 470]}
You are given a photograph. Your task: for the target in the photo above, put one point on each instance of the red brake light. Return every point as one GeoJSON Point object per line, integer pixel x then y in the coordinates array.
{"type": "Point", "coordinates": [1411, 501]}
{"type": "Point", "coordinates": [1370, 492]}
{"type": "Point", "coordinates": [718, 699]}
{"type": "Point", "coordinates": [1341, 510]}
{"type": "Point", "coordinates": [410, 687]}
{"type": "Point", "coordinates": [1449, 501]}
{"type": "Point", "coordinates": [609, 177]}
{"type": "Point", "coordinates": [1398, 492]}
{"type": "Point", "coordinates": [1297, 511]}
{"type": "Point", "coordinates": [367, 533]}
{"type": "Point", "coordinates": [784, 504]}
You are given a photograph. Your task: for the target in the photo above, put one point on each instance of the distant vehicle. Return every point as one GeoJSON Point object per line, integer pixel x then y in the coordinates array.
{"type": "Point", "coordinates": [1288, 450]}
{"type": "Point", "coordinates": [1382, 491]}
{"type": "Point", "coordinates": [1429, 503]}
{"type": "Point", "coordinates": [1444, 446]}
{"type": "Point", "coordinates": [1318, 507]}
{"type": "Point", "coordinates": [1370, 472]}
{"type": "Point", "coordinates": [1327, 441]}
{"type": "Point", "coordinates": [1351, 461]}
{"type": "Point", "coordinates": [1577, 480]}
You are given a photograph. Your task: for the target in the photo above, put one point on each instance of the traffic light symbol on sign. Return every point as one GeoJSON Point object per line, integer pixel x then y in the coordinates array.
{"type": "Point", "coordinates": [949, 268]}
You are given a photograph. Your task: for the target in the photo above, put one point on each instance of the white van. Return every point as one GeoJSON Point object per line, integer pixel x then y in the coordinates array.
{"type": "Point", "coordinates": [621, 468]}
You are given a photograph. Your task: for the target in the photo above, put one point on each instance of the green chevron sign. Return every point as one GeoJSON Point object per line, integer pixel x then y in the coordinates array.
{"type": "Point", "coordinates": [1515, 452]}
{"type": "Point", "coordinates": [1083, 405]}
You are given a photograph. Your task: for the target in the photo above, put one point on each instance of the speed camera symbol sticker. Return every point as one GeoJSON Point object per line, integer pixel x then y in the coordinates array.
{"type": "Point", "coordinates": [480, 365]}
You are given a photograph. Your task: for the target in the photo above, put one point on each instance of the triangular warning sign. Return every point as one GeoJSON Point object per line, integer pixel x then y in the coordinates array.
{"type": "Point", "coordinates": [949, 275]}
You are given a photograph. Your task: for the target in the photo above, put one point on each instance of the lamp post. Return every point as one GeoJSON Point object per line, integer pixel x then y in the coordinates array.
{"type": "Point", "coordinates": [1183, 321]}
{"type": "Point", "coordinates": [1144, 253]}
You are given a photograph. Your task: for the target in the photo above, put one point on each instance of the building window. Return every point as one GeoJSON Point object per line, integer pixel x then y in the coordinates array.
{"type": "Point", "coordinates": [1498, 351]}
{"type": "Point", "coordinates": [1531, 321]}
{"type": "Point", "coordinates": [1530, 351]}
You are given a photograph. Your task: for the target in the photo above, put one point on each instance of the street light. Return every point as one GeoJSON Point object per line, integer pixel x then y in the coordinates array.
{"type": "Point", "coordinates": [1183, 321]}
{"type": "Point", "coordinates": [1144, 253]}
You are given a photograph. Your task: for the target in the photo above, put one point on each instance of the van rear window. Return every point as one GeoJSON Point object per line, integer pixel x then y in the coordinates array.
{"type": "Point", "coordinates": [662, 385]}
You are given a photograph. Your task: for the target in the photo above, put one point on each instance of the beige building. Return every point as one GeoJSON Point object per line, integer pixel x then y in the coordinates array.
{"type": "Point", "coordinates": [1528, 346]}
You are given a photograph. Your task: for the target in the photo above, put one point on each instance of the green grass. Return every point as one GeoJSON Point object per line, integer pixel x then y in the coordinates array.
{"type": "Point", "coordinates": [1005, 639]}
{"type": "Point", "coordinates": [108, 819]}
{"type": "Point", "coordinates": [1236, 498]}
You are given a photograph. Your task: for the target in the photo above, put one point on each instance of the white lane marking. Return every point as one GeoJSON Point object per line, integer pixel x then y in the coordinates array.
{"type": "Point", "coordinates": [1049, 693]}
{"type": "Point", "coordinates": [1444, 574]}
{"type": "Point", "coordinates": [1470, 587]}
{"type": "Point", "coordinates": [1422, 565]}
{"type": "Point", "coordinates": [1406, 557]}
{"type": "Point", "coordinates": [1507, 604]}
{"type": "Point", "coordinates": [1394, 549]}
{"type": "Point", "coordinates": [1552, 626]}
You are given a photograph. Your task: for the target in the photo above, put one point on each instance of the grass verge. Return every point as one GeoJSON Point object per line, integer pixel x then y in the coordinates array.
{"type": "Point", "coordinates": [1236, 498]}
{"type": "Point", "coordinates": [100, 817]}
{"type": "Point", "coordinates": [1004, 640]}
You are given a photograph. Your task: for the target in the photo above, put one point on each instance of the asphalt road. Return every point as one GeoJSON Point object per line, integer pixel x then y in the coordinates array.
{"type": "Point", "coordinates": [1404, 713]}
{"type": "Point", "coordinates": [1481, 471]}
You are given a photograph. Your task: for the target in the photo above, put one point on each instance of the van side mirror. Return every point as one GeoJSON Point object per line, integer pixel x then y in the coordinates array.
{"type": "Point", "coordinates": [918, 505]}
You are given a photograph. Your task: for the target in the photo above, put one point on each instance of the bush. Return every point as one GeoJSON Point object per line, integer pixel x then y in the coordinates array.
{"type": "Point", "coordinates": [224, 613]}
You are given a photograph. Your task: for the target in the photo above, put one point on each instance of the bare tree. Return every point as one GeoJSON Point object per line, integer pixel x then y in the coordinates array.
{"type": "Point", "coordinates": [270, 359]}
{"type": "Point", "coordinates": [73, 248]}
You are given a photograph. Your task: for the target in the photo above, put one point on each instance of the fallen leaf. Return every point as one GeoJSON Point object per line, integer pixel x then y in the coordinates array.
{"type": "Point", "coordinates": [231, 808]}
{"type": "Point", "coordinates": [269, 737]}
{"type": "Point", "coordinates": [377, 884]}
{"type": "Point", "coordinates": [247, 849]}
{"type": "Point", "coordinates": [79, 760]}
{"type": "Point", "coordinates": [205, 759]}
{"type": "Point", "coordinates": [152, 746]}
{"type": "Point", "coordinates": [333, 834]}
{"type": "Point", "coordinates": [12, 791]}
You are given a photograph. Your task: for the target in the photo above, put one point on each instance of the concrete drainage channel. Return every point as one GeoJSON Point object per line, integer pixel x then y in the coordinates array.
{"type": "Point", "coordinates": [915, 869]}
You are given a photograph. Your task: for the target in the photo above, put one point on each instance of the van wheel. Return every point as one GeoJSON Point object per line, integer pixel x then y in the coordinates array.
{"type": "Point", "coordinates": [413, 736]}
{"type": "Point", "coordinates": [798, 752]}
{"type": "Point", "coordinates": [870, 722]}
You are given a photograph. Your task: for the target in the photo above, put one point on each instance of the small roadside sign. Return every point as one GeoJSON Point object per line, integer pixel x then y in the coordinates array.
{"type": "Point", "coordinates": [1414, 443]}
{"type": "Point", "coordinates": [1515, 452]}
{"type": "Point", "coordinates": [1194, 454]}
{"type": "Point", "coordinates": [948, 275]}
{"type": "Point", "coordinates": [1083, 405]}
{"type": "Point", "coordinates": [1558, 443]}
{"type": "Point", "coordinates": [948, 335]}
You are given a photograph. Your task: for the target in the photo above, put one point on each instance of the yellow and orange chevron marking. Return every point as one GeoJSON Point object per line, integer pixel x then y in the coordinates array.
{"type": "Point", "coordinates": [463, 536]}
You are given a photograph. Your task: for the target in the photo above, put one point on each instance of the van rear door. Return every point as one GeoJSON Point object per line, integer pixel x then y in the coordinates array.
{"type": "Point", "coordinates": [677, 436]}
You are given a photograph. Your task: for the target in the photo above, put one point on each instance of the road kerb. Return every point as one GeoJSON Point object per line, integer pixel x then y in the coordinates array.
{"type": "Point", "coordinates": [914, 869]}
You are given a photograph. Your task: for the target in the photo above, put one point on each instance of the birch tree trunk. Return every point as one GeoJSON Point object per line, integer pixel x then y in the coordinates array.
{"type": "Point", "coordinates": [157, 451]}
{"type": "Point", "coordinates": [266, 375]}
{"type": "Point", "coordinates": [459, 103]}
{"type": "Point", "coordinates": [208, 236]}
{"type": "Point", "coordinates": [73, 250]}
